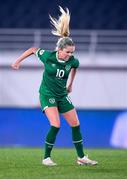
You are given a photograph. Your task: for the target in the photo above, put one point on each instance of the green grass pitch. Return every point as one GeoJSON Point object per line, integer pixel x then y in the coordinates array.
{"type": "Point", "coordinates": [25, 163]}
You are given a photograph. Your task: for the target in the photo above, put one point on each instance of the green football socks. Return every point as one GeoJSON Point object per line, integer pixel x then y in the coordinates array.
{"type": "Point", "coordinates": [77, 140]}
{"type": "Point", "coordinates": [50, 140]}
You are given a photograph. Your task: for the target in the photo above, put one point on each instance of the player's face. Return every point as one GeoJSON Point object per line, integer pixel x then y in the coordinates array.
{"type": "Point", "coordinates": [66, 52]}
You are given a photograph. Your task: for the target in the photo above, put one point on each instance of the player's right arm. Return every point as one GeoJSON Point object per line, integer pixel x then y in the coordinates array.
{"type": "Point", "coordinates": [24, 55]}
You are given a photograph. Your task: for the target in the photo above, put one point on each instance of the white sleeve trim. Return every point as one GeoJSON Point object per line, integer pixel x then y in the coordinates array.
{"type": "Point", "coordinates": [37, 51]}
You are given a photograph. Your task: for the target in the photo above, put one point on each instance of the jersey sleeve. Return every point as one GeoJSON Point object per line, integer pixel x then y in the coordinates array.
{"type": "Point", "coordinates": [42, 55]}
{"type": "Point", "coordinates": [76, 63]}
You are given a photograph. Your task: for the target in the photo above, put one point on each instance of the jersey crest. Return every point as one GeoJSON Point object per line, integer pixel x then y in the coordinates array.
{"type": "Point", "coordinates": [67, 67]}
{"type": "Point", "coordinates": [52, 100]}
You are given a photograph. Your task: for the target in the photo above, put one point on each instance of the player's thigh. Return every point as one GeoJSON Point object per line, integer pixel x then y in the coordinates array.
{"type": "Point", "coordinates": [53, 116]}
{"type": "Point", "coordinates": [71, 117]}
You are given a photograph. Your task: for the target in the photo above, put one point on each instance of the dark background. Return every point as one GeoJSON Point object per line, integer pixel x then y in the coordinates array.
{"type": "Point", "coordinates": [85, 14]}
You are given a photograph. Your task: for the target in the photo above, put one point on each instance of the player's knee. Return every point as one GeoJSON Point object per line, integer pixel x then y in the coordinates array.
{"type": "Point", "coordinates": [75, 123]}
{"type": "Point", "coordinates": [57, 125]}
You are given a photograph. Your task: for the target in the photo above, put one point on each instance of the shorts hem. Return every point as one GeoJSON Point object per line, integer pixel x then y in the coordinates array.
{"type": "Point", "coordinates": [66, 110]}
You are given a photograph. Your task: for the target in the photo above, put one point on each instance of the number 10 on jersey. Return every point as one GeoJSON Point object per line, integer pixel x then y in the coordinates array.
{"type": "Point", "coordinates": [60, 73]}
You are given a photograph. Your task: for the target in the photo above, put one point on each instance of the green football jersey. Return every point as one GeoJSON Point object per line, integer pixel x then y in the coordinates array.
{"type": "Point", "coordinates": [56, 73]}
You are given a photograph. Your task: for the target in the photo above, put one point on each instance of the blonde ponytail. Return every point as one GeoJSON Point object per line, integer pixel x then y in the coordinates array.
{"type": "Point", "coordinates": [61, 26]}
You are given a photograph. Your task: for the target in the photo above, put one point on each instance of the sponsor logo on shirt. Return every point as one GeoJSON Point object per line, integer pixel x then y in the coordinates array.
{"type": "Point", "coordinates": [41, 52]}
{"type": "Point", "coordinates": [53, 65]}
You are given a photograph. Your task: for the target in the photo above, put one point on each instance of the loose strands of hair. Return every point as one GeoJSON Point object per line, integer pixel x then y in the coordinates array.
{"type": "Point", "coordinates": [61, 26]}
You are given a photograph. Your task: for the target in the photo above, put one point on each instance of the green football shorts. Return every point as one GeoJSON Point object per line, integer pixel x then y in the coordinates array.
{"type": "Point", "coordinates": [63, 104]}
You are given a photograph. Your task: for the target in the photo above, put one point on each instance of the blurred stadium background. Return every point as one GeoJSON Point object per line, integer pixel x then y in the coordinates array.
{"type": "Point", "coordinates": [98, 29]}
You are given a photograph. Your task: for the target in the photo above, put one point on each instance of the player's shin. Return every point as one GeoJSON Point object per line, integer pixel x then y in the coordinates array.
{"type": "Point", "coordinates": [50, 140]}
{"type": "Point", "coordinates": [77, 140]}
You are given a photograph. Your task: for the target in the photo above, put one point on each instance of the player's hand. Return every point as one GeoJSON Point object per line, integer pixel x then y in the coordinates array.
{"type": "Point", "coordinates": [15, 66]}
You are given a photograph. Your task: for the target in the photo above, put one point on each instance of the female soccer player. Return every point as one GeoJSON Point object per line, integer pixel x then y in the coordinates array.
{"type": "Point", "coordinates": [54, 97]}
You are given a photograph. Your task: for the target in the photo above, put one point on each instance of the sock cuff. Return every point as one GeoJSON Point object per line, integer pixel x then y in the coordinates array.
{"type": "Point", "coordinates": [55, 129]}
{"type": "Point", "coordinates": [75, 128]}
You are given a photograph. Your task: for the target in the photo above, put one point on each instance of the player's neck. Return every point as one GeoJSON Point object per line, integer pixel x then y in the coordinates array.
{"type": "Point", "coordinates": [59, 59]}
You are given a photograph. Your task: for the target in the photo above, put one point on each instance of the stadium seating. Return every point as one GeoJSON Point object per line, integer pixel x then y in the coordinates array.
{"type": "Point", "coordinates": [94, 14]}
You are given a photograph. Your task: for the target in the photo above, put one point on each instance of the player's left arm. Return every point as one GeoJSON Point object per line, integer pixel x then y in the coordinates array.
{"type": "Point", "coordinates": [23, 56]}
{"type": "Point", "coordinates": [71, 80]}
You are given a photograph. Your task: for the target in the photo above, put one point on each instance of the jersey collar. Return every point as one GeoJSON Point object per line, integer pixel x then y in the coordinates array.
{"type": "Point", "coordinates": [61, 61]}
